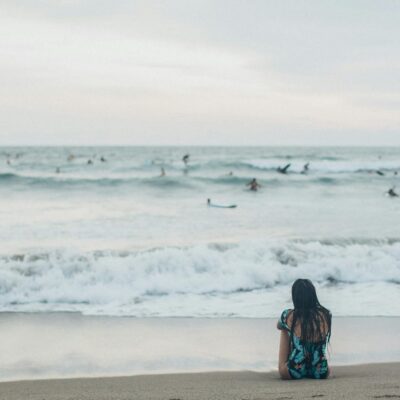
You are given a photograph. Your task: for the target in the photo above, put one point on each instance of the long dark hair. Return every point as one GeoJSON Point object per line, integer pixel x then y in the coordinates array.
{"type": "Point", "coordinates": [314, 319]}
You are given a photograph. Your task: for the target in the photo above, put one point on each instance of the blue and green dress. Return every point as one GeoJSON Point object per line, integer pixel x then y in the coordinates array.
{"type": "Point", "coordinates": [306, 359]}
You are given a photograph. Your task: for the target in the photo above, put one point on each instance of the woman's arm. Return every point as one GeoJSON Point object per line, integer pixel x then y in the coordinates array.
{"type": "Point", "coordinates": [284, 348]}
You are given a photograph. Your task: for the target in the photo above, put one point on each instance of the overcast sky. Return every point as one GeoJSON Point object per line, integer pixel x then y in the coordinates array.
{"type": "Point", "coordinates": [217, 72]}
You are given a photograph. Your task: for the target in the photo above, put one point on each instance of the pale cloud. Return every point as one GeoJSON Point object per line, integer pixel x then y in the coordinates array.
{"type": "Point", "coordinates": [113, 72]}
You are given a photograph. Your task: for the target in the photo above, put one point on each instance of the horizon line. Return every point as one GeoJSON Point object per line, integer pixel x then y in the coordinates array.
{"type": "Point", "coordinates": [201, 145]}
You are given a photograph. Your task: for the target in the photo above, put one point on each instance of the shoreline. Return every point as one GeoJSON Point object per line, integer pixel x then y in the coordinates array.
{"type": "Point", "coordinates": [273, 373]}
{"type": "Point", "coordinates": [172, 317]}
{"type": "Point", "coordinates": [69, 345]}
{"type": "Point", "coordinates": [352, 381]}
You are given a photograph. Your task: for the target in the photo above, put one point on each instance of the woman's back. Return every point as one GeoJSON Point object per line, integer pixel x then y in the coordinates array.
{"type": "Point", "coordinates": [321, 324]}
{"type": "Point", "coordinates": [306, 331]}
{"type": "Point", "coordinates": [307, 358]}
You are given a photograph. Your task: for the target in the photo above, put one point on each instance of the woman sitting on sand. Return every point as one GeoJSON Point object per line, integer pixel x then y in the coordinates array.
{"type": "Point", "coordinates": [305, 333]}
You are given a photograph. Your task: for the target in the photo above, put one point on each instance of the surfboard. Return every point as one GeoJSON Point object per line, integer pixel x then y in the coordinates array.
{"type": "Point", "coordinates": [221, 206]}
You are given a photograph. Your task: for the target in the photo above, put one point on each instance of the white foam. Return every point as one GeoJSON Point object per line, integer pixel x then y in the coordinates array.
{"type": "Point", "coordinates": [137, 283]}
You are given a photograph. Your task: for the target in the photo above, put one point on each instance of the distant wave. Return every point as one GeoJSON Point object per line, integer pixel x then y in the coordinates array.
{"type": "Point", "coordinates": [318, 165]}
{"type": "Point", "coordinates": [325, 166]}
{"type": "Point", "coordinates": [45, 180]}
{"type": "Point", "coordinates": [167, 182]}
{"type": "Point", "coordinates": [8, 175]}
{"type": "Point", "coordinates": [118, 281]}
{"type": "Point", "coordinates": [55, 180]}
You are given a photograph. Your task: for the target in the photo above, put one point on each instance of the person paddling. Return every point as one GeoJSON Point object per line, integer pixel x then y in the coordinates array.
{"type": "Point", "coordinates": [391, 192]}
{"type": "Point", "coordinates": [254, 185]}
{"type": "Point", "coordinates": [185, 159]}
{"type": "Point", "coordinates": [283, 170]}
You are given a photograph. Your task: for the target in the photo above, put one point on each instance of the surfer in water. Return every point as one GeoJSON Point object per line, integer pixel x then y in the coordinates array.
{"type": "Point", "coordinates": [90, 162]}
{"type": "Point", "coordinates": [380, 173]}
{"type": "Point", "coordinates": [392, 193]}
{"type": "Point", "coordinates": [102, 159]}
{"type": "Point", "coordinates": [162, 172]}
{"type": "Point", "coordinates": [305, 168]}
{"type": "Point", "coordinates": [254, 185]}
{"type": "Point", "coordinates": [283, 170]}
{"type": "Point", "coordinates": [185, 159]}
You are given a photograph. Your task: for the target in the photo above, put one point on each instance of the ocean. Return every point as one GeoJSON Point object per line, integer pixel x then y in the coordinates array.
{"type": "Point", "coordinates": [114, 238]}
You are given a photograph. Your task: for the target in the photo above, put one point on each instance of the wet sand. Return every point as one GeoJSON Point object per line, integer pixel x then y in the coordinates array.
{"type": "Point", "coordinates": [368, 381]}
{"type": "Point", "coordinates": [60, 346]}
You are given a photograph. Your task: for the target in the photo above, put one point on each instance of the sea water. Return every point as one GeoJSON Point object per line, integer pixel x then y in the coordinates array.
{"type": "Point", "coordinates": [113, 237]}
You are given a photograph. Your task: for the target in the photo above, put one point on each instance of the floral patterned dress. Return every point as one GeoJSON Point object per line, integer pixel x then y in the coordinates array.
{"type": "Point", "coordinates": [306, 359]}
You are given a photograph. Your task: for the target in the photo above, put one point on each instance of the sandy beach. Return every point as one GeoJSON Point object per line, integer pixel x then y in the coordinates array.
{"type": "Point", "coordinates": [70, 356]}
{"type": "Point", "coordinates": [65, 345]}
{"type": "Point", "coordinates": [369, 381]}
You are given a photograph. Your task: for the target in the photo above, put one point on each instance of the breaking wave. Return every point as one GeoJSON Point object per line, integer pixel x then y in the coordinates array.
{"type": "Point", "coordinates": [117, 282]}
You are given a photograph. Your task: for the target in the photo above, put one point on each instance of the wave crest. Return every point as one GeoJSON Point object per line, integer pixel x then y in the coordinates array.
{"type": "Point", "coordinates": [85, 281]}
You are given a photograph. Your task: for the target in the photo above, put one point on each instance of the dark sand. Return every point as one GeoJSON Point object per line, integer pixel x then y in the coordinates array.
{"type": "Point", "coordinates": [369, 381]}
